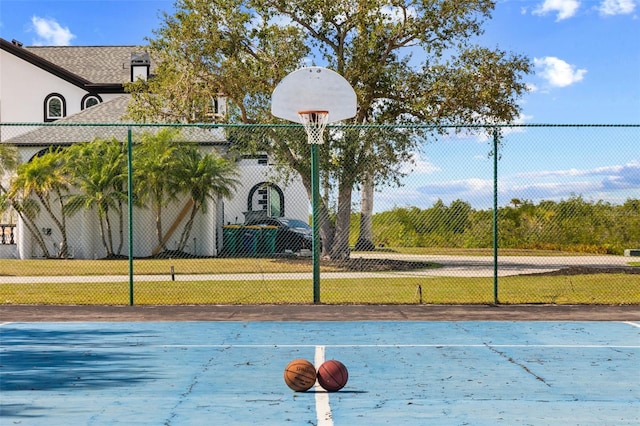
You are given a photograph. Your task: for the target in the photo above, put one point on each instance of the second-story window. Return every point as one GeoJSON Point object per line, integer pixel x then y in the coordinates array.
{"type": "Point", "coordinates": [89, 101]}
{"type": "Point", "coordinates": [54, 107]}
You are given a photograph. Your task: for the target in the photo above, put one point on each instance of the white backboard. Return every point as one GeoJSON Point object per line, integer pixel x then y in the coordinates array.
{"type": "Point", "coordinates": [313, 89]}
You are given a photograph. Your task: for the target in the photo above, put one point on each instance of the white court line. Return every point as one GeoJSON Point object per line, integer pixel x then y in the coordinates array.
{"type": "Point", "coordinates": [411, 345]}
{"type": "Point", "coordinates": [4, 323]}
{"type": "Point", "coordinates": [399, 346]}
{"type": "Point", "coordinates": [633, 324]}
{"type": "Point", "coordinates": [323, 409]}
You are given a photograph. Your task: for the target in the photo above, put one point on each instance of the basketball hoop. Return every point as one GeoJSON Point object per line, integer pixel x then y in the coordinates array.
{"type": "Point", "coordinates": [314, 123]}
{"type": "Point", "coordinates": [306, 96]}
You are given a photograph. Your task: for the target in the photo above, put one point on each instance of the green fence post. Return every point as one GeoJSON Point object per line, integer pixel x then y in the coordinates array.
{"type": "Point", "coordinates": [495, 216]}
{"type": "Point", "coordinates": [130, 201]}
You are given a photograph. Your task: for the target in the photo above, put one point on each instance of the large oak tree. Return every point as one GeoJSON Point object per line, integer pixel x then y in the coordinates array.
{"type": "Point", "coordinates": [408, 61]}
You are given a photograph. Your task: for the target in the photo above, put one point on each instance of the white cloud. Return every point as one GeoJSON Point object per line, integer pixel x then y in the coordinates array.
{"type": "Point", "coordinates": [465, 188]}
{"type": "Point", "coordinates": [558, 72]}
{"type": "Point", "coordinates": [419, 164]}
{"type": "Point", "coordinates": [627, 175]}
{"type": "Point", "coordinates": [50, 32]}
{"type": "Point", "coordinates": [617, 7]}
{"type": "Point", "coordinates": [613, 183]}
{"type": "Point", "coordinates": [402, 197]}
{"type": "Point", "coordinates": [521, 119]}
{"type": "Point", "coordinates": [565, 8]}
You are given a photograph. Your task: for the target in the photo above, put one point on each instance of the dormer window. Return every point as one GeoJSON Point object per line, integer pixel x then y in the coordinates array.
{"type": "Point", "coordinates": [140, 66]}
{"type": "Point", "coordinates": [89, 101]}
{"type": "Point", "coordinates": [55, 107]}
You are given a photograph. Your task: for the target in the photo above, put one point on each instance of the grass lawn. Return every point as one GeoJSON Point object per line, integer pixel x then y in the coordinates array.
{"type": "Point", "coordinates": [77, 267]}
{"type": "Point", "coordinates": [612, 288]}
{"type": "Point", "coordinates": [479, 251]}
{"type": "Point", "coordinates": [60, 267]}
{"type": "Point", "coordinates": [576, 289]}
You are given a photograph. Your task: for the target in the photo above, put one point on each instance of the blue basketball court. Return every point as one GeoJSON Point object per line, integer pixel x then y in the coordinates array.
{"type": "Point", "coordinates": [416, 373]}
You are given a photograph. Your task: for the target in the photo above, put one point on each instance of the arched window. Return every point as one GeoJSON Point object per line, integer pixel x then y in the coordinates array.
{"type": "Point", "coordinates": [268, 197]}
{"type": "Point", "coordinates": [43, 151]}
{"type": "Point", "coordinates": [90, 100]}
{"type": "Point", "coordinates": [55, 107]}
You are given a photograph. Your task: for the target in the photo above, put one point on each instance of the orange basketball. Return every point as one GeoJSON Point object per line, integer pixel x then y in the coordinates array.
{"type": "Point", "coordinates": [332, 375]}
{"type": "Point", "coordinates": [300, 375]}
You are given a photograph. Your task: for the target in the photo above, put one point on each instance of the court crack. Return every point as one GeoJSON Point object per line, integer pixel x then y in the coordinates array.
{"type": "Point", "coordinates": [514, 362]}
{"type": "Point", "coordinates": [184, 395]}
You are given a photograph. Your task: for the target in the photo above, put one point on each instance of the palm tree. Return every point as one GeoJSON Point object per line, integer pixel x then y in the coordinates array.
{"type": "Point", "coordinates": [203, 177]}
{"type": "Point", "coordinates": [28, 209]}
{"type": "Point", "coordinates": [155, 163]}
{"type": "Point", "coordinates": [98, 170]}
{"type": "Point", "coordinates": [8, 163]}
{"type": "Point", "coordinates": [42, 177]}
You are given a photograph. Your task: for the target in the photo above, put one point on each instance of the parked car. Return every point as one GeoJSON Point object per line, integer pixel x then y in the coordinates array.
{"type": "Point", "coordinates": [293, 234]}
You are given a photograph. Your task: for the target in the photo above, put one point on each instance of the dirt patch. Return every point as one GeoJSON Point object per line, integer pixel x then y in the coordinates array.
{"type": "Point", "coordinates": [360, 264]}
{"type": "Point", "coordinates": [382, 265]}
{"type": "Point", "coordinates": [590, 270]}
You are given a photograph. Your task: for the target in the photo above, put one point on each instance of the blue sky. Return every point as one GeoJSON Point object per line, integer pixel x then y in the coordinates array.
{"type": "Point", "coordinates": [587, 71]}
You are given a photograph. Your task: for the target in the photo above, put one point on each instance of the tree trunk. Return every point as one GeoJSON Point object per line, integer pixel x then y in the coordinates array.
{"type": "Point", "coordinates": [327, 230]}
{"type": "Point", "coordinates": [340, 247]}
{"type": "Point", "coordinates": [33, 228]}
{"type": "Point", "coordinates": [186, 231]}
{"type": "Point", "coordinates": [63, 251]}
{"type": "Point", "coordinates": [365, 238]}
{"type": "Point", "coordinates": [109, 231]}
{"type": "Point", "coordinates": [102, 237]}
{"type": "Point", "coordinates": [161, 243]}
{"type": "Point", "coordinates": [120, 228]}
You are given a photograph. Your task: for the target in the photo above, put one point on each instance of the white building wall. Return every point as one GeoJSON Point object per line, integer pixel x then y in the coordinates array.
{"type": "Point", "coordinates": [84, 240]}
{"type": "Point", "coordinates": [83, 228]}
{"type": "Point", "coordinates": [23, 89]}
{"type": "Point", "coordinates": [297, 205]}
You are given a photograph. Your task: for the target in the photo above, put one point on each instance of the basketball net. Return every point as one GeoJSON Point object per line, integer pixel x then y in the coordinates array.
{"type": "Point", "coordinates": [314, 123]}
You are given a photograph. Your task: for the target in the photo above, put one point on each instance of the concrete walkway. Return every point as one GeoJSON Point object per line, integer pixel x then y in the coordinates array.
{"type": "Point", "coordinates": [453, 266]}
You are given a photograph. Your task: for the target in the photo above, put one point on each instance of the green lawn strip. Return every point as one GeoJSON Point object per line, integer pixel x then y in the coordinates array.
{"type": "Point", "coordinates": [58, 267]}
{"type": "Point", "coordinates": [576, 289]}
{"type": "Point", "coordinates": [61, 267]}
{"type": "Point", "coordinates": [450, 251]}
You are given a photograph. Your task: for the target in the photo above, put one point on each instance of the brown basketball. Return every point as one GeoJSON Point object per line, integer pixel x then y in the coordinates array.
{"type": "Point", "coordinates": [332, 375]}
{"type": "Point", "coordinates": [300, 375]}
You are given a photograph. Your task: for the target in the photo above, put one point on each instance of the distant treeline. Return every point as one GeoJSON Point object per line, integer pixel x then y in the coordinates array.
{"type": "Point", "coordinates": [574, 225]}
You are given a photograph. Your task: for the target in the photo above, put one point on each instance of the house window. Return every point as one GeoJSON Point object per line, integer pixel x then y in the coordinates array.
{"type": "Point", "coordinates": [55, 107]}
{"type": "Point", "coordinates": [268, 197]}
{"type": "Point", "coordinates": [89, 101]}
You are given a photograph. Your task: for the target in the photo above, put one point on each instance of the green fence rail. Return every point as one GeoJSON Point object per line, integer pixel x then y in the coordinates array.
{"type": "Point", "coordinates": [124, 213]}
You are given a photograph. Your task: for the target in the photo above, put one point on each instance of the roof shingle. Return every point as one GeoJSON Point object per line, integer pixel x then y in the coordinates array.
{"type": "Point", "coordinates": [98, 64]}
{"type": "Point", "coordinates": [105, 118]}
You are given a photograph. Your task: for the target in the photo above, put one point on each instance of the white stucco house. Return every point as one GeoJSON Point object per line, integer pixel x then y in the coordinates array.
{"type": "Point", "coordinates": [84, 84]}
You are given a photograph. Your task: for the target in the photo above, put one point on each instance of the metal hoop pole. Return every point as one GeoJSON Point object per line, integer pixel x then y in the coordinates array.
{"type": "Point", "coordinates": [315, 207]}
{"type": "Point", "coordinates": [314, 122]}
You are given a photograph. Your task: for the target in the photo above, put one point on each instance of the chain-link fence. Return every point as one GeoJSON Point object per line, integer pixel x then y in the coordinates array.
{"type": "Point", "coordinates": [221, 214]}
